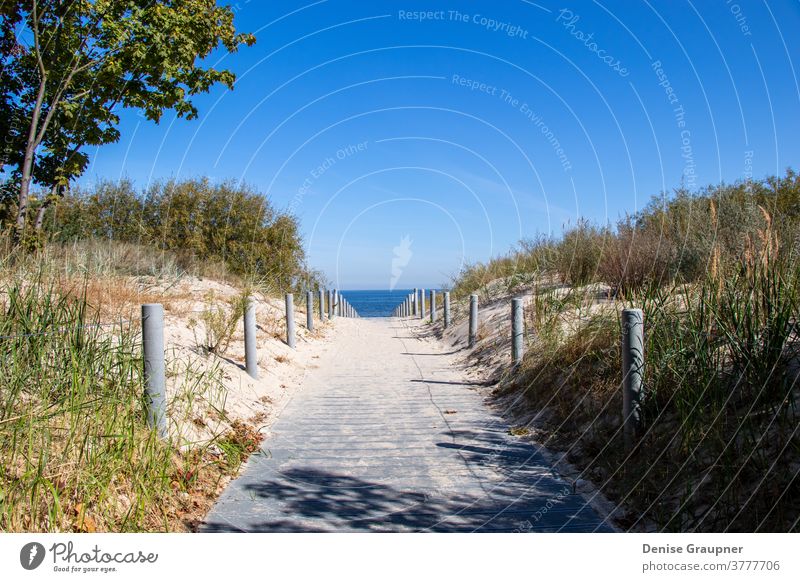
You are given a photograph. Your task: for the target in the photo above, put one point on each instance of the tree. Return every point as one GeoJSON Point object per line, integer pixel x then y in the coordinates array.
{"type": "Point", "coordinates": [78, 62]}
{"type": "Point", "coordinates": [10, 121]}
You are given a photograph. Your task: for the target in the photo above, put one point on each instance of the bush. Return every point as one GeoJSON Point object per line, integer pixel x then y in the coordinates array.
{"type": "Point", "coordinates": [636, 259]}
{"type": "Point", "coordinates": [577, 256]}
{"type": "Point", "coordinates": [196, 220]}
{"type": "Point", "coordinates": [674, 238]}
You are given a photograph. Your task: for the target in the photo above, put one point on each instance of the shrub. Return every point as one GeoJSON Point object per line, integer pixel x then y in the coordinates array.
{"type": "Point", "coordinates": [196, 220]}
{"type": "Point", "coordinates": [636, 259]}
{"type": "Point", "coordinates": [577, 256]}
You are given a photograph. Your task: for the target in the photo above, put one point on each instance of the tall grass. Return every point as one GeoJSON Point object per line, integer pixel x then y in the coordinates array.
{"type": "Point", "coordinates": [76, 451]}
{"type": "Point", "coordinates": [721, 446]}
{"type": "Point", "coordinates": [720, 450]}
{"type": "Point", "coordinates": [723, 367]}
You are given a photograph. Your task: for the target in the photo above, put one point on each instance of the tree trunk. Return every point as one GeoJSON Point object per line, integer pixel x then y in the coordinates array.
{"type": "Point", "coordinates": [49, 201]}
{"type": "Point", "coordinates": [27, 164]}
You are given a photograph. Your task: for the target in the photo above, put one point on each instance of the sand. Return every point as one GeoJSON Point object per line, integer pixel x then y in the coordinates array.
{"type": "Point", "coordinates": [207, 392]}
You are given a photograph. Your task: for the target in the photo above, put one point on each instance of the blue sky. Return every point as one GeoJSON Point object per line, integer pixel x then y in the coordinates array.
{"type": "Point", "coordinates": [481, 123]}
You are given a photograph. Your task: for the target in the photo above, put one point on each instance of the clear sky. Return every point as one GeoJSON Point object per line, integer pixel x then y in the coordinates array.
{"type": "Point", "coordinates": [474, 124]}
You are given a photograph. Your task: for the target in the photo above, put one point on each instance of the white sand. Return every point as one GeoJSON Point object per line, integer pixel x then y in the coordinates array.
{"type": "Point", "coordinates": [207, 392]}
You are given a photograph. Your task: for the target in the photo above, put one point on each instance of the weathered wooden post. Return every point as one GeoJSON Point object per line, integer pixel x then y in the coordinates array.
{"type": "Point", "coordinates": [414, 305]}
{"type": "Point", "coordinates": [446, 309]}
{"type": "Point", "coordinates": [422, 303]}
{"type": "Point", "coordinates": [155, 378]}
{"type": "Point", "coordinates": [310, 311]}
{"type": "Point", "coordinates": [433, 306]}
{"type": "Point", "coordinates": [321, 305]}
{"type": "Point", "coordinates": [250, 349]}
{"type": "Point", "coordinates": [632, 371]}
{"type": "Point", "coordinates": [290, 320]}
{"type": "Point", "coordinates": [473, 319]}
{"type": "Point", "coordinates": [517, 331]}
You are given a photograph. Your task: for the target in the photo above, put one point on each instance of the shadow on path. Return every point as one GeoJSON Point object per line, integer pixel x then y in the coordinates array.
{"type": "Point", "coordinates": [312, 500]}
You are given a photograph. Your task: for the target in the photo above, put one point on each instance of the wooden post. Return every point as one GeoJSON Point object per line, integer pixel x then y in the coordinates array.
{"type": "Point", "coordinates": [290, 339]}
{"type": "Point", "coordinates": [632, 370]}
{"type": "Point", "coordinates": [310, 311]}
{"type": "Point", "coordinates": [473, 319]}
{"type": "Point", "coordinates": [155, 378]}
{"type": "Point", "coordinates": [250, 350]}
{"type": "Point", "coordinates": [517, 331]}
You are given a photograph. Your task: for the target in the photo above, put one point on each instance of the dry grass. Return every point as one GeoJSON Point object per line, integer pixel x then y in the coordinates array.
{"type": "Point", "coordinates": [76, 451]}
{"type": "Point", "coordinates": [720, 449]}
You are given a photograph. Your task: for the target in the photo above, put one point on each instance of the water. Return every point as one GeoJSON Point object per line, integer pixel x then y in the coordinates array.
{"type": "Point", "coordinates": [376, 303]}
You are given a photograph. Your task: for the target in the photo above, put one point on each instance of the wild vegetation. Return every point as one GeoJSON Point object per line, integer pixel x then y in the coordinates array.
{"type": "Point", "coordinates": [67, 68]}
{"type": "Point", "coordinates": [230, 225]}
{"type": "Point", "coordinates": [75, 450]}
{"type": "Point", "coordinates": [75, 263]}
{"type": "Point", "coordinates": [717, 275]}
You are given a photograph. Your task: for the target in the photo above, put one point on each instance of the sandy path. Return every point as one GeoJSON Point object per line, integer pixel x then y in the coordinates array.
{"type": "Point", "coordinates": [388, 435]}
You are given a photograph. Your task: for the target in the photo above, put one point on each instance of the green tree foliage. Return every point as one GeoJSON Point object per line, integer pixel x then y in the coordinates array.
{"type": "Point", "coordinates": [224, 222]}
{"type": "Point", "coordinates": [67, 68]}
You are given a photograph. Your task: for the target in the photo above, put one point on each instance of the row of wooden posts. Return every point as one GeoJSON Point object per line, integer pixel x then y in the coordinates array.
{"type": "Point", "coordinates": [412, 306]}
{"type": "Point", "coordinates": [632, 345]}
{"type": "Point", "coordinates": [331, 305]}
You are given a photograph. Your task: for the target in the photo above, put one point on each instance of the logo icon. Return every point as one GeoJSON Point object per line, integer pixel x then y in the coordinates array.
{"type": "Point", "coordinates": [31, 555]}
{"type": "Point", "coordinates": [402, 255]}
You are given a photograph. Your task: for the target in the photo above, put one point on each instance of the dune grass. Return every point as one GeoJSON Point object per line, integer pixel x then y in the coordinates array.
{"type": "Point", "coordinates": [72, 430]}
{"type": "Point", "coordinates": [76, 451]}
{"type": "Point", "coordinates": [720, 449]}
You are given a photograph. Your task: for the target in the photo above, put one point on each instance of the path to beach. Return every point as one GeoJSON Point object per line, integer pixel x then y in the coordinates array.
{"type": "Point", "coordinates": [388, 435]}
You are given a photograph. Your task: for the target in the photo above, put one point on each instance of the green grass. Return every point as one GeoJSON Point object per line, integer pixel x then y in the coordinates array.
{"type": "Point", "coordinates": [720, 449]}
{"type": "Point", "coordinates": [72, 430]}
{"type": "Point", "coordinates": [76, 451]}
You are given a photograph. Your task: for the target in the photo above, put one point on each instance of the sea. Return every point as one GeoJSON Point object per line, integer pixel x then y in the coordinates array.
{"type": "Point", "coordinates": [376, 302]}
